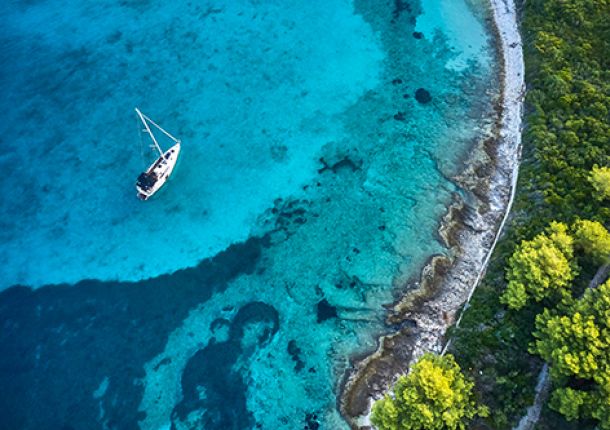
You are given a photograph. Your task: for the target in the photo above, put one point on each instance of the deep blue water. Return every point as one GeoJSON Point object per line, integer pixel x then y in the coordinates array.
{"type": "Point", "coordinates": [319, 143]}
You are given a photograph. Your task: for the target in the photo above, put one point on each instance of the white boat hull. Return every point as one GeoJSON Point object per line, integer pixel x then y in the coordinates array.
{"type": "Point", "coordinates": [158, 173]}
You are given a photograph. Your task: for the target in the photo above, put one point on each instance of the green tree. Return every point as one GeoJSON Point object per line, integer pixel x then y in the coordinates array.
{"type": "Point", "coordinates": [434, 395]}
{"type": "Point", "coordinates": [569, 402]}
{"type": "Point", "coordinates": [600, 179]}
{"type": "Point", "coordinates": [594, 239]}
{"type": "Point", "coordinates": [540, 268]}
{"type": "Point", "coordinates": [576, 344]}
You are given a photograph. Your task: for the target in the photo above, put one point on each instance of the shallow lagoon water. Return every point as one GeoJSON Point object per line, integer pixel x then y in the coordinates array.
{"type": "Point", "coordinates": [309, 191]}
{"type": "Point", "coordinates": [240, 83]}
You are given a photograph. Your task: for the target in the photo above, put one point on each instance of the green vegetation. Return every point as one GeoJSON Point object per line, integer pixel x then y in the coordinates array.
{"type": "Point", "coordinates": [576, 344]}
{"type": "Point", "coordinates": [540, 268]}
{"type": "Point", "coordinates": [544, 268]}
{"type": "Point", "coordinates": [571, 333]}
{"type": "Point", "coordinates": [567, 53]}
{"type": "Point", "coordinates": [600, 180]}
{"type": "Point", "coordinates": [434, 395]}
{"type": "Point", "coordinates": [557, 237]}
{"type": "Point", "coordinates": [594, 240]}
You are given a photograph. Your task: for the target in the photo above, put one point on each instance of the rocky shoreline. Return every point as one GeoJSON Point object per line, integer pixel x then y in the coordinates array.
{"type": "Point", "coordinates": [470, 229]}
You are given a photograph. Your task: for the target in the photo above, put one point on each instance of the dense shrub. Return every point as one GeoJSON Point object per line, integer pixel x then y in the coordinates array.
{"type": "Point", "coordinates": [434, 395]}
{"type": "Point", "coordinates": [540, 268]}
{"type": "Point", "coordinates": [576, 343]}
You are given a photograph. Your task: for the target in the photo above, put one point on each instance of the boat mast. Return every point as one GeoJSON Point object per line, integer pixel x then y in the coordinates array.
{"type": "Point", "coordinates": [152, 136]}
{"type": "Point", "coordinates": [162, 130]}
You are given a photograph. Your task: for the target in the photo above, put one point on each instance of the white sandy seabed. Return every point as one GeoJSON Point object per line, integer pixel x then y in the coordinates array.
{"type": "Point", "coordinates": [477, 243]}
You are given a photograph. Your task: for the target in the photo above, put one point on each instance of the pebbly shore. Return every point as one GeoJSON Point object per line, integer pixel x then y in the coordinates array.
{"type": "Point", "coordinates": [470, 228]}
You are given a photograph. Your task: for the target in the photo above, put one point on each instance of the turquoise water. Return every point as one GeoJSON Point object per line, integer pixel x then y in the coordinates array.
{"type": "Point", "coordinates": [313, 174]}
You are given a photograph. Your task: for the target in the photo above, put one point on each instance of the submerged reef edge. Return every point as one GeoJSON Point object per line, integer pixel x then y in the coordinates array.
{"type": "Point", "coordinates": [470, 229]}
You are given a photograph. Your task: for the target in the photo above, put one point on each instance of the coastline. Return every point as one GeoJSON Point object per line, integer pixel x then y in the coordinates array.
{"type": "Point", "coordinates": [470, 228]}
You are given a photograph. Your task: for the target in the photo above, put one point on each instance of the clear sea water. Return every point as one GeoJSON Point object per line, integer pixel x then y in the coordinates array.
{"type": "Point", "coordinates": [308, 193]}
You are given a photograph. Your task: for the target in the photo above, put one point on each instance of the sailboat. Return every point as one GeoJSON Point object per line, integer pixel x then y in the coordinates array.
{"type": "Point", "coordinates": [156, 175]}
